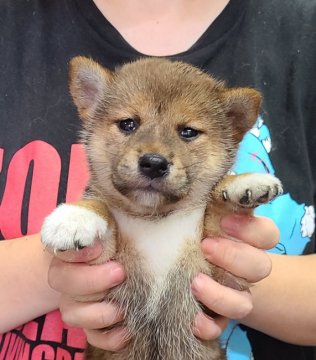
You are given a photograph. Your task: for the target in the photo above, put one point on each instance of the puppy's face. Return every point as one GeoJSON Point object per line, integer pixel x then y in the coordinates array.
{"type": "Point", "coordinates": [159, 134]}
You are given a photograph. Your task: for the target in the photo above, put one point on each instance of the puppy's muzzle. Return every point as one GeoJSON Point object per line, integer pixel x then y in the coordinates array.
{"type": "Point", "coordinates": [153, 166]}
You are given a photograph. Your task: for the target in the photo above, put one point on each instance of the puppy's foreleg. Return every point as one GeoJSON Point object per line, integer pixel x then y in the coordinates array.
{"type": "Point", "coordinates": [237, 194]}
{"type": "Point", "coordinates": [78, 225]}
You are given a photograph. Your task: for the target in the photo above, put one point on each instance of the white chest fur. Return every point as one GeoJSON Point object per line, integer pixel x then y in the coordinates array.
{"type": "Point", "coordinates": [160, 242]}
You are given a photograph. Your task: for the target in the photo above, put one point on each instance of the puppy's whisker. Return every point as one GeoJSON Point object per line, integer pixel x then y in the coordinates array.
{"type": "Point", "coordinates": [191, 165]}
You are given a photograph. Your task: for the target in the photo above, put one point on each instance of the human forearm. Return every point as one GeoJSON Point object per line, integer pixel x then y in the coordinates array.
{"type": "Point", "coordinates": [284, 302]}
{"type": "Point", "coordinates": [25, 293]}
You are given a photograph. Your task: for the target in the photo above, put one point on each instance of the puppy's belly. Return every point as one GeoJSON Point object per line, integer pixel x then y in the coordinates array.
{"type": "Point", "coordinates": [159, 313]}
{"type": "Point", "coordinates": [161, 258]}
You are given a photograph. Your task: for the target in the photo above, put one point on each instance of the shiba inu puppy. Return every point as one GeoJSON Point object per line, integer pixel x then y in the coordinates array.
{"type": "Point", "coordinates": [160, 137]}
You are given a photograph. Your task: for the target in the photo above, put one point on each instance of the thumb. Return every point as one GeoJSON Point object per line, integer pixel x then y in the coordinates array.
{"type": "Point", "coordinates": [86, 254]}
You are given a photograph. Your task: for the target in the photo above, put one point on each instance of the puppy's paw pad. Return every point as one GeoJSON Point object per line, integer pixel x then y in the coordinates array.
{"type": "Point", "coordinates": [71, 227]}
{"type": "Point", "coordinates": [252, 190]}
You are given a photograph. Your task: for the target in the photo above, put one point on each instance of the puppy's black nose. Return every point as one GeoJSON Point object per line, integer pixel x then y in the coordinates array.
{"type": "Point", "coordinates": [153, 165]}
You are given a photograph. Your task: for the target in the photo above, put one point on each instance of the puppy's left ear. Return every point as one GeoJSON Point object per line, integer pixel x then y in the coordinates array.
{"type": "Point", "coordinates": [242, 108]}
{"type": "Point", "coordinates": [88, 83]}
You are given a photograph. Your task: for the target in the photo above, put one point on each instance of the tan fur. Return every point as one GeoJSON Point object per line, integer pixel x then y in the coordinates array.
{"type": "Point", "coordinates": [218, 208]}
{"type": "Point", "coordinates": [110, 245]}
{"type": "Point", "coordinates": [163, 97]}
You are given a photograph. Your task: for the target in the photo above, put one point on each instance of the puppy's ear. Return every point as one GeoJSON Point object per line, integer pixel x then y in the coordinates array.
{"type": "Point", "coordinates": [242, 107]}
{"type": "Point", "coordinates": [88, 82]}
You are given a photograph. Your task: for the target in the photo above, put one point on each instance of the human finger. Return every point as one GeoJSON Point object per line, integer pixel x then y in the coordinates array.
{"type": "Point", "coordinates": [89, 315]}
{"type": "Point", "coordinates": [257, 231]}
{"type": "Point", "coordinates": [208, 328]}
{"type": "Point", "coordinates": [238, 258]}
{"type": "Point", "coordinates": [112, 340]}
{"type": "Point", "coordinates": [222, 300]}
{"type": "Point", "coordinates": [79, 279]}
{"type": "Point", "coordinates": [85, 254]}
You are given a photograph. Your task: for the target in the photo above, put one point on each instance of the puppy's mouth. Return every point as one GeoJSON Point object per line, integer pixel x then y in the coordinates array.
{"type": "Point", "coordinates": [153, 189]}
{"type": "Point", "coordinates": [151, 192]}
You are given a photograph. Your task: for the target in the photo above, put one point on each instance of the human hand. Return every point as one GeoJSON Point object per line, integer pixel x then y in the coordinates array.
{"type": "Point", "coordinates": [241, 254]}
{"type": "Point", "coordinates": [242, 257]}
{"type": "Point", "coordinates": [72, 276]}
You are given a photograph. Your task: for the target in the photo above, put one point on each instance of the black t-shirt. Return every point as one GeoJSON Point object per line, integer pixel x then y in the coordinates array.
{"type": "Point", "coordinates": [269, 45]}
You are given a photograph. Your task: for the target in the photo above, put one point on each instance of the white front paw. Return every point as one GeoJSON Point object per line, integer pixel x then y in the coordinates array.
{"type": "Point", "coordinates": [251, 190]}
{"type": "Point", "coordinates": [72, 227]}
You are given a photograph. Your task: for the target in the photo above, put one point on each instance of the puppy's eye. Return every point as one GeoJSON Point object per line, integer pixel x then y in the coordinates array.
{"type": "Point", "coordinates": [128, 125]}
{"type": "Point", "coordinates": [188, 133]}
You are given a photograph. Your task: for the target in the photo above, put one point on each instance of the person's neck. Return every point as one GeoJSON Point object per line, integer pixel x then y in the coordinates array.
{"type": "Point", "coordinates": [159, 27]}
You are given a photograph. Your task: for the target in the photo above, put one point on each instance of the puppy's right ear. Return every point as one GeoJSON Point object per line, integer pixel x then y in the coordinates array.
{"type": "Point", "coordinates": [88, 82]}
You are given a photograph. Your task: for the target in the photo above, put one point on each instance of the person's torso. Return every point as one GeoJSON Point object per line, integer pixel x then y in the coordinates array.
{"type": "Point", "coordinates": [41, 163]}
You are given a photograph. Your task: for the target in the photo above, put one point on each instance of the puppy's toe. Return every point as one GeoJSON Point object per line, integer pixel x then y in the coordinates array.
{"type": "Point", "coordinates": [71, 227]}
{"type": "Point", "coordinates": [251, 190]}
